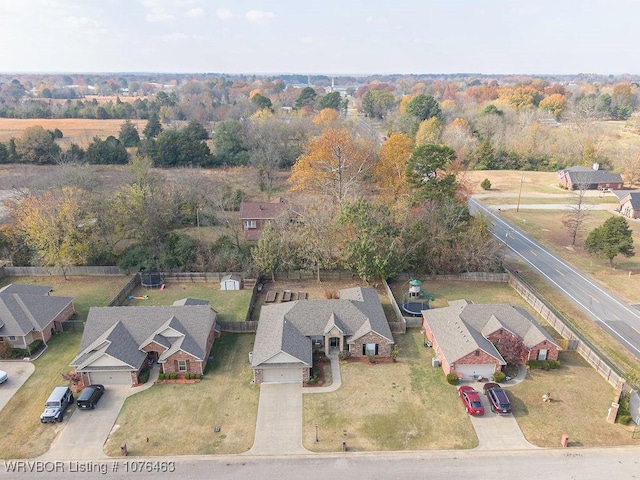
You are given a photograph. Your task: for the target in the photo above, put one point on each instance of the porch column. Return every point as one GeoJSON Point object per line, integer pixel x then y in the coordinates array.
{"type": "Point", "coordinates": [341, 342]}
{"type": "Point", "coordinates": [326, 345]}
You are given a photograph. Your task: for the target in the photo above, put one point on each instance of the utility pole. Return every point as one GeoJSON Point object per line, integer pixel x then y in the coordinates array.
{"type": "Point", "coordinates": [520, 193]}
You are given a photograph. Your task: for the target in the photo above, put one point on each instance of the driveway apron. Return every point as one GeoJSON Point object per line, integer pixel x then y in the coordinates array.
{"type": "Point", "coordinates": [279, 422]}
{"type": "Point", "coordinates": [498, 432]}
{"type": "Point", "coordinates": [84, 433]}
{"type": "Point", "coordinates": [18, 373]}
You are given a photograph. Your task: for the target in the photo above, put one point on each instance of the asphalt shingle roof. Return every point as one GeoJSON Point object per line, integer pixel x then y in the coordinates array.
{"type": "Point", "coordinates": [24, 308]}
{"type": "Point", "coordinates": [121, 331]}
{"type": "Point", "coordinates": [356, 313]}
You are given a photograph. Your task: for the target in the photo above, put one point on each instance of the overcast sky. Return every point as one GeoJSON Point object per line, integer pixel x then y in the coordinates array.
{"type": "Point", "coordinates": [328, 36]}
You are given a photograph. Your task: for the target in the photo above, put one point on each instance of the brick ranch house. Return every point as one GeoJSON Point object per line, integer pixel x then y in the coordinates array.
{"type": "Point", "coordinates": [576, 178]}
{"type": "Point", "coordinates": [464, 336]}
{"type": "Point", "coordinates": [257, 215]}
{"type": "Point", "coordinates": [29, 313]}
{"type": "Point", "coordinates": [119, 342]}
{"type": "Point", "coordinates": [288, 332]}
{"type": "Point", "coordinates": [629, 204]}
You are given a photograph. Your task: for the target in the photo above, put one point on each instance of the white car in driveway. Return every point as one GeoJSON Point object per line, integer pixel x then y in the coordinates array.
{"type": "Point", "coordinates": [3, 376]}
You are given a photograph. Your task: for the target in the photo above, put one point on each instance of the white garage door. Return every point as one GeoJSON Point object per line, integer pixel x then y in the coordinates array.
{"type": "Point", "coordinates": [111, 378]}
{"type": "Point", "coordinates": [471, 371]}
{"type": "Point", "coordinates": [282, 375]}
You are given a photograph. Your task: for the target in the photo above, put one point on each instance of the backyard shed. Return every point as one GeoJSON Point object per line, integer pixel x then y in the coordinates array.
{"type": "Point", "coordinates": [231, 282]}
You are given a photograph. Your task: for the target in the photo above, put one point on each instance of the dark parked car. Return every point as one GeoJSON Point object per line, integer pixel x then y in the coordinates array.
{"type": "Point", "coordinates": [497, 398]}
{"type": "Point", "coordinates": [90, 396]}
{"type": "Point", "coordinates": [471, 400]}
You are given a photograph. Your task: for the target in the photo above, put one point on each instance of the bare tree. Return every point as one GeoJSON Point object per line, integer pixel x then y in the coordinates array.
{"type": "Point", "coordinates": [574, 219]}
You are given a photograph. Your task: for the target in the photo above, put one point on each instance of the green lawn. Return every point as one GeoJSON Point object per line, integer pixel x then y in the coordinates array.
{"type": "Point", "coordinates": [179, 419]}
{"type": "Point", "coordinates": [232, 305]}
{"type": "Point", "coordinates": [406, 405]}
{"type": "Point", "coordinates": [581, 398]}
{"type": "Point", "coordinates": [86, 291]}
{"type": "Point", "coordinates": [23, 436]}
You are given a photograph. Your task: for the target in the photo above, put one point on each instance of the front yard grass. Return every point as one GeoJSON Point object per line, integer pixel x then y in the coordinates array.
{"type": "Point", "coordinates": [232, 305]}
{"type": "Point", "coordinates": [581, 398]}
{"type": "Point", "coordinates": [179, 419]}
{"type": "Point", "coordinates": [406, 405]}
{"type": "Point", "coordinates": [23, 436]}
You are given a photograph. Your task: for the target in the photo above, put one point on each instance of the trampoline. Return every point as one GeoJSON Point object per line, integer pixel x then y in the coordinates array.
{"type": "Point", "coordinates": [415, 308]}
{"type": "Point", "coordinates": [151, 280]}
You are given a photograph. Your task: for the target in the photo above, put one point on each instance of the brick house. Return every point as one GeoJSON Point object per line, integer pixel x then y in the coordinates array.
{"type": "Point", "coordinates": [29, 313]}
{"type": "Point", "coordinates": [288, 332]}
{"type": "Point", "coordinates": [584, 178]}
{"type": "Point", "coordinates": [257, 215]}
{"type": "Point", "coordinates": [465, 335]}
{"type": "Point", "coordinates": [119, 342]}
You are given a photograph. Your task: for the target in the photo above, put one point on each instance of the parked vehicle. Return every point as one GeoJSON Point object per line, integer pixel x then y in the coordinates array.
{"type": "Point", "coordinates": [90, 396]}
{"type": "Point", "coordinates": [3, 376]}
{"type": "Point", "coordinates": [58, 401]}
{"type": "Point", "coordinates": [471, 400]}
{"type": "Point", "coordinates": [497, 398]}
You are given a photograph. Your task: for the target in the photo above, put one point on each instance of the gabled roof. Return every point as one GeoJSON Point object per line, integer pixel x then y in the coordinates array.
{"type": "Point", "coordinates": [262, 210]}
{"type": "Point", "coordinates": [24, 308]}
{"type": "Point", "coordinates": [463, 327]}
{"type": "Point", "coordinates": [356, 313]}
{"type": "Point", "coordinates": [633, 198]}
{"type": "Point", "coordinates": [454, 336]}
{"type": "Point", "coordinates": [488, 318]}
{"type": "Point", "coordinates": [275, 335]}
{"type": "Point", "coordinates": [588, 176]}
{"type": "Point", "coordinates": [131, 328]}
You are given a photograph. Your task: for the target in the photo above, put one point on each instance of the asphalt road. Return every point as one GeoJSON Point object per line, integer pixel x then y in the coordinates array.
{"type": "Point", "coordinates": [556, 464]}
{"type": "Point", "coordinates": [617, 317]}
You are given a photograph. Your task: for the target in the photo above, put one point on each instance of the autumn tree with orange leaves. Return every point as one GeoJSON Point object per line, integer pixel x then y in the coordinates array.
{"type": "Point", "coordinates": [334, 164]}
{"type": "Point", "coordinates": [390, 170]}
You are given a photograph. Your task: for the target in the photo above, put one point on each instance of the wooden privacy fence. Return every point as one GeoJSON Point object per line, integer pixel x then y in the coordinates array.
{"type": "Point", "coordinates": [238, 327]}
{"type": "Point", "coordinates": [400, 325]}
{"type": "Point", "coordinates": [575, 341]}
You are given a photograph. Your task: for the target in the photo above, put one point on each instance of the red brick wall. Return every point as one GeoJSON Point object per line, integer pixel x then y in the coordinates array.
{"type": "Point", "coordinates": [384, 348]}
{"type": "Point", "coordinates": [552, 351]}
{"type": "Point", "coordinates": [193, 364]}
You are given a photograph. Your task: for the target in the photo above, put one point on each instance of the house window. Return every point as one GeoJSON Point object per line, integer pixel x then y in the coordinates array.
{"type": "Point", "coordinates": [370, 349]}
{"type": "Point", "coordinates": [542, 354]}
{"type": "Point", "coordinates": [12, 337]}
{"type": "Point", "coordinates": [477, 353]}
{"type": "Point", "coordinates": [182, 365]}
{"type": "Point", "coordinates": [249, 224]}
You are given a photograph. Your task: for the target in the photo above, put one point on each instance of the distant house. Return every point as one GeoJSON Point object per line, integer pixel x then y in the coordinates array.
{"type": "Point", "coordinates": [256, 215]}
{"type": "Point", "coordinates": [629, 205]}
{"type": "Point", "coordinates": [464, 336]}
{"type": "Point", "coordinates": [288, 332]}
{"type": "Point", "coordinates": [29, 313]}
{"type": "Point", "coordinates": [584, 178]}
{"type": "Point", "coordinates": [119, 342]}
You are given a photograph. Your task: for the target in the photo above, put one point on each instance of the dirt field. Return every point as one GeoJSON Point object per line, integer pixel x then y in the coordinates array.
{"type": "Point", "coordinates": [76, 130]}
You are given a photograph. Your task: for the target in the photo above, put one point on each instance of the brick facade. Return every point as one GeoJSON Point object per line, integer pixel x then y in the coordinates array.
{"type": "Point", "coordinates": [193, 365]}
{"type": "Point", "coordinates": [384, 347]}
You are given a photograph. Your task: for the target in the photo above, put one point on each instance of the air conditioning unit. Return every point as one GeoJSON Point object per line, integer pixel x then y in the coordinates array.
{"type": "Point", "coordinates": [435, 362]}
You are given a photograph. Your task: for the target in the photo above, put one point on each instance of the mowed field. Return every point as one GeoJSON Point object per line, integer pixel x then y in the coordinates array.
{"type": "Point", "coordinates": [74, 130]}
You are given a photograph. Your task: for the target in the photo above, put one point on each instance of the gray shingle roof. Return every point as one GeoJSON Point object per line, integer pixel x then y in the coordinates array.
{"type": "Point", "coordinates": [356, 313]}
{"type": "Point", "coordinates": [462, 327]}
{"type": "Point", "coordinates": [125, 329]}
{"type": "Point", "coordinates": [585, 175]}
{"type": "Point", "coordinates": [24, 308]}
{"type": "Point", "coordinates": [633, 198]}
{"type": "Point", "coordinates": [455, 338]}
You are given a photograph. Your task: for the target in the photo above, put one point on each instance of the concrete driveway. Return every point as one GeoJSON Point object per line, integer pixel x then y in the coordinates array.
{"type": "Point", "coordinates": [86, 431]}
{"type": "Point", "coordinates": [279, 422]}
{"type": "Point", "coordinates": [18, 373]}
{"type": "Point", "coordinates": [498, 432]}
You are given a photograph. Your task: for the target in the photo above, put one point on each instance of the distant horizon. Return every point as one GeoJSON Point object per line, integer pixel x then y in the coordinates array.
{"type": "Point", "coordinates": [405, 36]}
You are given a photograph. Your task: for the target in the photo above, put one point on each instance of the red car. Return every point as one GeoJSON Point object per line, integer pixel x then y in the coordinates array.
{"type": "Point", "coordinates": [471, 400]}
